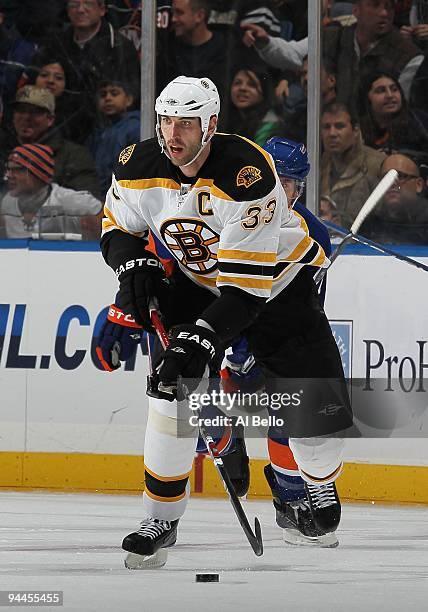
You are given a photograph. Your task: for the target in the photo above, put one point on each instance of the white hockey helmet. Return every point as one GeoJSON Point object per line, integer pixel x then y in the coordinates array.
{"type": "Point", "coordinates": [188, 97]}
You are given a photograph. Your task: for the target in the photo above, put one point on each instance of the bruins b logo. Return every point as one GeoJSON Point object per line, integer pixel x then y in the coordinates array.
{"type": "Point", "coordinates": [125, 155]}
{"type": "Point", "coordinates": [191, 242]}
{"type": "Point", "coordinates": [247, 176]}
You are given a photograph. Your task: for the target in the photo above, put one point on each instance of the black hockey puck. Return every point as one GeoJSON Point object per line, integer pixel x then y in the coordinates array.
{"type": "Point", "coordinates": [207, 577]}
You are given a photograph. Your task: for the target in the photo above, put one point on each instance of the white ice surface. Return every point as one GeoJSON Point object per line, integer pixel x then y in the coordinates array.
{"type": "Point", "coordinates": [71, 542]}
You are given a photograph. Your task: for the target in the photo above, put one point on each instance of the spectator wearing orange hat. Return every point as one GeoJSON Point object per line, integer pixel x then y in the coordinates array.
{"type": "Point", "coordinates": [35, 206]}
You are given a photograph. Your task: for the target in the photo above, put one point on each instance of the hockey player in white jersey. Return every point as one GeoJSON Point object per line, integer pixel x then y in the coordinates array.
{"type": "Point", "coordinates": [216, 203]}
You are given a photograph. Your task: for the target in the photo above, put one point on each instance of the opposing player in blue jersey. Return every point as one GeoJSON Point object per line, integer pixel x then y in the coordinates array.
{"type": "Point", "coordinates": [289, 497]}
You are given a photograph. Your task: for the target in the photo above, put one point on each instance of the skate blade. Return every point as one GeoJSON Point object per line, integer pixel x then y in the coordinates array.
{"type": "Point", "coordinates": [295, 538]}
{"type": "Point", "coordinates": [146, 562]}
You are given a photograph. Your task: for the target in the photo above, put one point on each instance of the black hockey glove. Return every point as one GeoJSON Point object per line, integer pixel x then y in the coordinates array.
{"type": "Point", "coordinates": [141, 280]}
{"type": "Point", "coordinates": [191, 349]}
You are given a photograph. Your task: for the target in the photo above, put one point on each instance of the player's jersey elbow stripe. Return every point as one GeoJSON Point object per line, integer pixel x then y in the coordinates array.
{"type": "Point", "coordinates": [262, 257]}
{"type": "Point", "coordinates": [280, 268]}
{"type": "Point", "coordinates": [289, 269]}
{"type": "Point", "coordinates": [319, 261]}
{"type": "Point", "coordinates": [301, 249]}
{"type": "Point", "coordinates": [248, 269]}
{"type": "Point", "coordinates": [312, 254]}
{"type": "Point", "coordinates": [249, 283]}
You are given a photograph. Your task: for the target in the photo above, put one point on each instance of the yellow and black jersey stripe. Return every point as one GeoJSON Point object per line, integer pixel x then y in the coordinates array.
{"type": "Point", "coordinates": [234, 170]}
{"type": "Point", "coordinates": [248, 270]}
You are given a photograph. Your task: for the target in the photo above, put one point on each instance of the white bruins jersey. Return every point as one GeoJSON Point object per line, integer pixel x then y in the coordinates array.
{"type": "Point", "coordinates": [230, 226]}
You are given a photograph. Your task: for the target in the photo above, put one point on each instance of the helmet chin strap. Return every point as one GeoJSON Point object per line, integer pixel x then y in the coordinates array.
{"type": "Point", "coordinates": [300, 186]}
{"type": "Point", "coordinates": [295, 199]}
{"type": "Point", "coordinates": [204, 142]}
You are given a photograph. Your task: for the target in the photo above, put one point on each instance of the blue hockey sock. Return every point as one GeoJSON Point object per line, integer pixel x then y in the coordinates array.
{"type": "Point", "coordinates": [288, 487]}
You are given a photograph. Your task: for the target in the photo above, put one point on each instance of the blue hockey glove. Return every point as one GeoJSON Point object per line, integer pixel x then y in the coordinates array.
{"type": "Point", "coordinates": [240, 371]}
{"type": "Point", "coordinates": [118, 339]}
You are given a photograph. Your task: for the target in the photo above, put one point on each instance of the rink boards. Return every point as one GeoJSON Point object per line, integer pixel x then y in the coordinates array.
{"type": "Point", "coordinates": [67, 425]}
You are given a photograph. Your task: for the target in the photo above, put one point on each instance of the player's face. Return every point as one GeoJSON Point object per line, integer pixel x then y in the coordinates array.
{"type": "Point", "coordinates": [182, 136]}
{"type": "Point", "coordinates": [52, 77]}
{"type": "Point", "coordinates": [384, 97]}
{"type": "Point", "coordinates": [289, 186]}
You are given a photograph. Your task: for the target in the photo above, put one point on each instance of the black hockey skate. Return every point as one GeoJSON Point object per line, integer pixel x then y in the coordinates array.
{"type": "Point", "coordinates": [296, 520]}
{"type": "Point", "coordinates": [325, 506]}
{"type": "Point", "coordinates": [147, 546]}
{"type": "Point", "coordinates": [237, 463]}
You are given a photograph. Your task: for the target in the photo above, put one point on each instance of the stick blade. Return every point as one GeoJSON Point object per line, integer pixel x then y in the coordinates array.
{"type": "Point", "coordinates": [257, 546]}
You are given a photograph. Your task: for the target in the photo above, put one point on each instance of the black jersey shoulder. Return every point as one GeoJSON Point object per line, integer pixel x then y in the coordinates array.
{"type": "Point", "coordinates": [239, 167]}
{"type": "Point", "coordinates": [142, 160]}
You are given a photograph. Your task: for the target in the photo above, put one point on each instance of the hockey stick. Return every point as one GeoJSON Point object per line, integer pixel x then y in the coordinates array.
{"type": "Point", "coordinates": [377, 194]}
{"type": "Point", "coordinates": [254, 538]}
{"type": "Point", "coordinates": [153, 382]}
{"type": "Point", "coordinates": [376, 246]}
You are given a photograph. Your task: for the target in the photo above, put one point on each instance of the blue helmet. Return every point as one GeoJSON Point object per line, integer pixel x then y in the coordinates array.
{"type": "Point", "coordinates": [291, 158]}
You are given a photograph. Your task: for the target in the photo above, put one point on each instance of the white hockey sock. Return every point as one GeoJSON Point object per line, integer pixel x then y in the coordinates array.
{"type": "Point", "coordinates": [319, 459]}
{"type": "Point", "coordinates": [169, 451]}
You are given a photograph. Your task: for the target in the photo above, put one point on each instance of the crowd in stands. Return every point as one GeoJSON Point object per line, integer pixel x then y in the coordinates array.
{"type": "Point", "coordinates": [70, 100]}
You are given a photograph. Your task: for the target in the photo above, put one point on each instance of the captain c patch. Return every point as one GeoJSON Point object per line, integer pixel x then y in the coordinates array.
{"type": "Point", "coordinates": [247, 176]}
{"type": "Point", "coordinates": [125, 155]}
